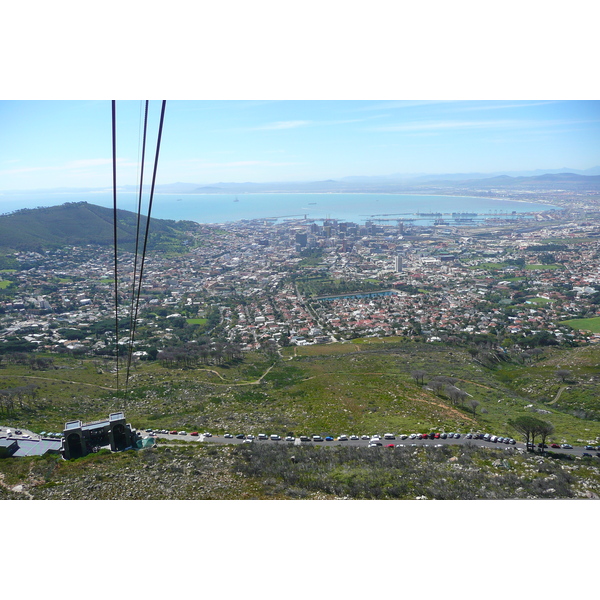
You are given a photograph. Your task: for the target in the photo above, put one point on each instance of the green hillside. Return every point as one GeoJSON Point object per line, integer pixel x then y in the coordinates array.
{"type": "Point", "coordinates": [329, 389]}
{"type": "Point", "coordinates": [80, 223]}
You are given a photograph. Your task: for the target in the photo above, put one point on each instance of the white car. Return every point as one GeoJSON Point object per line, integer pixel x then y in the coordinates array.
{"type": "Point", "coordinates": [354, 437]}
{"type": "Point", "coordinates": [343, 438]}
{"type": "Point", "coordinates": [263, 436]}
{"type": "Point", "coordinates": [228, 435]}
{"type": "Point", "coordinates": [388, 436]}
{"type": "Point", "coordinates": [275, 437]}
{"type": "Point", "coordinates": [365, 437]}
{"type": "Point", "coordinates": [290, 438]}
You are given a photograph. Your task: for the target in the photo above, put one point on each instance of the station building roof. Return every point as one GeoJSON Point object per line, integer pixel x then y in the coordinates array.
{"type": "Point", "coordinates": [30, 447]}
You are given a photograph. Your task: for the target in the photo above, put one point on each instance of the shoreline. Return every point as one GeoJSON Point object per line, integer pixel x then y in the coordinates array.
{"type": "Point", "coordinates": [93, 197]}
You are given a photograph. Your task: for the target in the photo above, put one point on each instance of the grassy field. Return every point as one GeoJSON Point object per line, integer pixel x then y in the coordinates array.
{"type": "Point", "coordinates": [196, 321]}
{"type": "Point", "coordinates": [592, 324]}
{"type": "Point", "coordinates": [538, 301]}
{"type": "Point", "coordinates": [542, 267]}
{"type": "Point", "coordinates": [365, 386]}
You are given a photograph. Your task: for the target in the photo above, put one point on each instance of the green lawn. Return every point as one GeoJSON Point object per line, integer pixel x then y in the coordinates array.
{"type": "Point", "coordinates": [539, 301]}
{"type": "Point", "coordinates": [542, 267]}
{"type": "Point", "coordinates": [592, 324]}
{"type": "Point", "coordinates": [196, 321]}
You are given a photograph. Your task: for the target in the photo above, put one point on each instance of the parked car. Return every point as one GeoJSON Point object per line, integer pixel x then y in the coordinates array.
{"type": "Point", "coordinates": [343, 438]}
{"type": "Point", "coordinates": [304, 438]}
{"type": "Point", "coordinates": [173, 432]}
{"type": "Point", "coordinates": [317, 438]}
{"type": "Point", "coordinates": [443, 435]}
{"type": "Point", "coordinates": [240, 436]}
{"type": "Point", "coordinates": [228, 435]}
{"type": "Point", "coordinates": [354, 437]}
{"type": "Point", "coordinates": [290, 438]}
{"type": "Point", "coordinates": [389, 445]}
{"type": "Point", "coordinates": [389, 436]}
{"type": "Point", "coordinates": [206, 434]}
{"type": "Point", "coordinates": [329, 438]}
{"type": "Point", "coordinates": [403, 436]}
{"type": "Point", "coordinates": [373, 444]}
{"type": "Point", "coordinates": [250, 437]}
{"type": "Point", "coordinates": [554, 445]}
{"type": "Point", "coordinates": [457, 436]}
{"type": "Point", "coordinates": [567, 446]}
{"type": "Point", "coordinates": [365, 437]}
{"type": "Point", "coordinates": [194, 433]}
{"type": "Point", "coordinates": [275, 437]}
{"type": "Point", "coordinates": [263, 436]}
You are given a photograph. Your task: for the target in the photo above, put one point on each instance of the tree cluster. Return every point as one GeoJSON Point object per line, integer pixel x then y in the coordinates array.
{"type": "Point", "coordinates": [530, 428]}
{"type": "Point", "coordinates": [189, 355]}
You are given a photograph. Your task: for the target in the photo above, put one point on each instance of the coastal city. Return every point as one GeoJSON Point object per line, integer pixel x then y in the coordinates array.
{"type": "Point", "coordinates": [270, 283]}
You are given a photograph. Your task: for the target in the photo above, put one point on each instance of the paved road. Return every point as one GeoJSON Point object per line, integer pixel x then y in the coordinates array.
{"type": "Point", "coordinates": [576, 451]}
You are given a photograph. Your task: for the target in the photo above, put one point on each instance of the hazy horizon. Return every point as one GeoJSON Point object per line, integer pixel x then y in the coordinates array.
{"type": "Point", "coordinates": [67, 144]}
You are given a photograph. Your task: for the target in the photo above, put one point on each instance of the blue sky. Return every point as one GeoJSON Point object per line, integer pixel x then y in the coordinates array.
{"type": "Point", "coordinates": [50, 144]}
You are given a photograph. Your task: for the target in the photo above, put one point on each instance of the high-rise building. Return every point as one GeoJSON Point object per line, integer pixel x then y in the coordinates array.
{"type": "Point", "coordinates": [398, 263]}
{"type": "Point", "coordinates": [301, 239]}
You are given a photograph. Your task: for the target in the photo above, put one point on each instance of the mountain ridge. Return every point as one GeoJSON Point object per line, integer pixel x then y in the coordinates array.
{"type": "Point", "coordinates": [81, 223]}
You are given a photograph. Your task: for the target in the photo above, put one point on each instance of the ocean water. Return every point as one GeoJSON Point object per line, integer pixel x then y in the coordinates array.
{"type": "Point", "coordinates": [223, 208]}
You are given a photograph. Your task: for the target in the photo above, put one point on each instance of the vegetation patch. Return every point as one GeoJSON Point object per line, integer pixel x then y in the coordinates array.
{"type": "Point", "coordinates": [591, 324]}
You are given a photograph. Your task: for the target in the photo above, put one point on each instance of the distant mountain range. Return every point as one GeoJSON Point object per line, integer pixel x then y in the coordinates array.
{"type": "Point", "coordinates": [80, 223]}
{"type": "Point", "coordinates": [569, 179]}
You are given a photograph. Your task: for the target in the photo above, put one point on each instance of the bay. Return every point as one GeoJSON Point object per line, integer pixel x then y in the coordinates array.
{"type": "Point", "coordinates": [224, 208]}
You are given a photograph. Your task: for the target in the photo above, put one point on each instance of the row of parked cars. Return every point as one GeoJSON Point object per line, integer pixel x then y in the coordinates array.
{"type": "Point", "coordinates": [374, 440]}
{"type": "Point", "coordinates": [44, 434]}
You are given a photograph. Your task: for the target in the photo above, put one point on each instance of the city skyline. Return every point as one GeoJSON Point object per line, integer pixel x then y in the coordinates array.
{"type": "Point", "coordinates": [67, 144]}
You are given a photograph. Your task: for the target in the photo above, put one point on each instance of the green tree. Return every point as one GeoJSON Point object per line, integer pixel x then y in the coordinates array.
{"type": "Point", "coordinates": [530, 427]}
